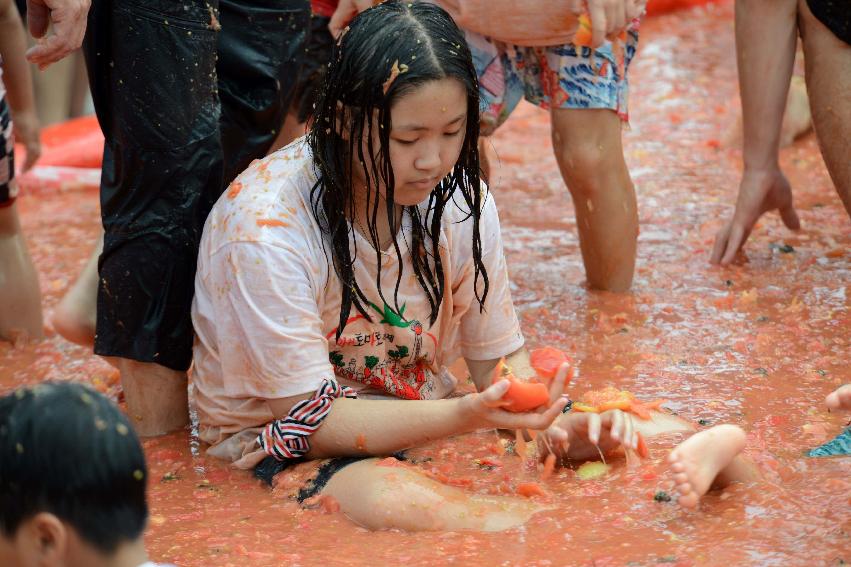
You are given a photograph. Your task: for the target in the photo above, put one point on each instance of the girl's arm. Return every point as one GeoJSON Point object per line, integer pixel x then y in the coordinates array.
{"type": "Point", "coordinates": [381, 427]}
{"type": "Point", "coordinates": [481, 371]}
{"type": "Point", "coordinates": [16, 75]}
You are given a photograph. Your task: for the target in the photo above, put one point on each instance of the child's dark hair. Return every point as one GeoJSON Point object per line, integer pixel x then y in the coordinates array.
{"type": "Point", "coordinates": [67, 450]}
{"type": "Point", "coordinates": [388, 51]}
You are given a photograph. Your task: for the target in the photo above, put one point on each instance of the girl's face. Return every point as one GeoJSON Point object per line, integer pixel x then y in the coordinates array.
{"type": "Point", "coordinates": [429, 124]}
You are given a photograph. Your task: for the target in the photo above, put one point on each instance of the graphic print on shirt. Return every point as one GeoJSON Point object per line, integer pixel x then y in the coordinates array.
{"type": "Point", "coordinates": [395, 362]}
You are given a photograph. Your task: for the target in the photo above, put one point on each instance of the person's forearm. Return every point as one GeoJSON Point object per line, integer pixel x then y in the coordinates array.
{"type": "Point", "coordinates": [481, 371]}
{"type": "Point", "coordinates": [16, 71]}
{"type": "Point", "coordinates": [766, 36]}
{"type": "Point", "coordinates": [382, 427]}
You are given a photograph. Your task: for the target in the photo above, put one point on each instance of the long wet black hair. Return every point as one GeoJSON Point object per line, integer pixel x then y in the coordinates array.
{"type": "Point", "coordinates": [388, 51]}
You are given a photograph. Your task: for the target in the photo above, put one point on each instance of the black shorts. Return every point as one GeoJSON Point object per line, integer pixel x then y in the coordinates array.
{"type": "Point", "coordinates": [270, 466]}
{"type": "Point", "coordinates": [187, 95]}
{"type": "Point", "coordinates": [835, 15]}
{"type": "Point", "coordinates": [317, 55]}
{"type": "Point", "coordinates": [8, 189]}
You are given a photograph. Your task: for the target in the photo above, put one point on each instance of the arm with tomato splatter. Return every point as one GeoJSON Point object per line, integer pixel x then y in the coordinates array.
{"type": "Point", "coordinates": [481, 371]}
{"type": "Point", "coordinates": [381, 427]}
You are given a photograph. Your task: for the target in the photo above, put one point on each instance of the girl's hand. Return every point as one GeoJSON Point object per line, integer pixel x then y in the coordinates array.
{"type": "Point", "coordinates": [578, 435]}
{"type": "Point", "coordinates": [26, 127]}
{"type": "Point", "coordinates": [484, 411]}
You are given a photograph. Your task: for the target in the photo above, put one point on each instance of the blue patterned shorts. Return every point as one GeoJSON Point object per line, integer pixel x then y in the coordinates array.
{"type": "Point", "coordinates": [8, 187]}
{"type": "Point", "coordinates": [561, 76]}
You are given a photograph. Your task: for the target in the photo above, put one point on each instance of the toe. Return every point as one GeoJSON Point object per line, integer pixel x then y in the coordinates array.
{"type": "Point", "coordinates": [688, 500]}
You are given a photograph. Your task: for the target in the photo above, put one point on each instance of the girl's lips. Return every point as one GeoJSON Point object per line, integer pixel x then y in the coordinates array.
{"type": "Point", "coordinates": [428, 182]}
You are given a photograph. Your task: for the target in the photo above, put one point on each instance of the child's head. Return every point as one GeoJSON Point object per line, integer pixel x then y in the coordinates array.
{"type": "Point", "coordinates": [72, 477]}
{"type": "Point", "coordinates": [397, 125]}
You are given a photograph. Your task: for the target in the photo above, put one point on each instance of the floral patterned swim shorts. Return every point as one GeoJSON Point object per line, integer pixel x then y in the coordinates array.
{"type": "Point", "coordinates": [561, 76]}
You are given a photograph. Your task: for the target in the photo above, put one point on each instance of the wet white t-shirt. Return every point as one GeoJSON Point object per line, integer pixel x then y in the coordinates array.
{"type": "Point", "coordinates": [267, 307]}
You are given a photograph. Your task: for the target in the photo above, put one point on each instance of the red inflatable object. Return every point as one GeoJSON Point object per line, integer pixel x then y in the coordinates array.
{"type": "Point", "coordinates": [51, 179]}
{"type": "Point", "coordinates": [656, 7]}
{"type": "Point", "coordinates": [74, 143]}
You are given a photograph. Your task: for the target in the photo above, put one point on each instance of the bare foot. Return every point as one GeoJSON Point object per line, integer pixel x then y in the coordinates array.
{"type": "Point", "coordinates": [73, 323]}
{"type": "Point", "coordinates": [76, 315]}
{"type": "Point", "coordinates": [840, 398]}
{"type": "Point", "coordinates": [697, 461]}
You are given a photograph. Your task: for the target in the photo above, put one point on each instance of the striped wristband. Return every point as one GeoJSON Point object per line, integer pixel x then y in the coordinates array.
{"type": "Point", "coordinates": [287, 438]}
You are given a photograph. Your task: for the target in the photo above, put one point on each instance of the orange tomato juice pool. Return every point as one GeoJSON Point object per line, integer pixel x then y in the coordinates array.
{"type": "Point", "coordinates": [758, 345]}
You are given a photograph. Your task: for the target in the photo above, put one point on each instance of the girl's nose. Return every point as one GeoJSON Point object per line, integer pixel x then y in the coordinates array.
{"type": "Point", "coordinates": [429, 159]}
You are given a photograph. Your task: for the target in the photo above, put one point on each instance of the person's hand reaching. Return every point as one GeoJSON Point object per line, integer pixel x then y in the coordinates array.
{"type": "Point", "coordinates": [759, 192]}
{"type": "Point", "coordinates": [68, 20]}
{"type": "Point", "coordinates": [26, 128]}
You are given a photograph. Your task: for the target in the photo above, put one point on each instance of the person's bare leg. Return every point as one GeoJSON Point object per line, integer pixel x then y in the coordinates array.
{"type": "Point", "coordinates": [20, 297]}
{"type": "Point", "coordinates": [827, 61]}
{"type": "Point", "coordinates": [156, 396]}
{"type": "Point", "coordinates": [587, 144]}
{"type": "Point", "coordinates": [710, 458]}
{"type": "Point", "coordinates": [382, 497]}
{"type": "Point", "coordinates": [797, 118]}
{"type": "Point", "coordinates": [840, 398]}
{"type": "Point", "coordinates": [76, 315]}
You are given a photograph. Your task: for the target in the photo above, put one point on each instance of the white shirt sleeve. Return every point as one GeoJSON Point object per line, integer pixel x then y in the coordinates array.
{"type": "Point", "coordinates": [264, 304]}
{"type": "Point", "coordinates": [495, 331]}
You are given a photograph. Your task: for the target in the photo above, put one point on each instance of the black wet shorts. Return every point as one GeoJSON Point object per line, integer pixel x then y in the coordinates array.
{"type": "Point", "coordinates": [317, 54]}
{"type": "Point", "coordinates": [270, 466]}
{"type": "Point", "coordinates": [8, 189]}
{"type": "Point", "coordinates": [187, 93]}
{"type": "Point", "coordinates": [835, 15]}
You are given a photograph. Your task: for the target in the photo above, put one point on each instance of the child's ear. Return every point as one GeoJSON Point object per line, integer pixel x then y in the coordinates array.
{"type": "Point", "coordinates": [48, 539]}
